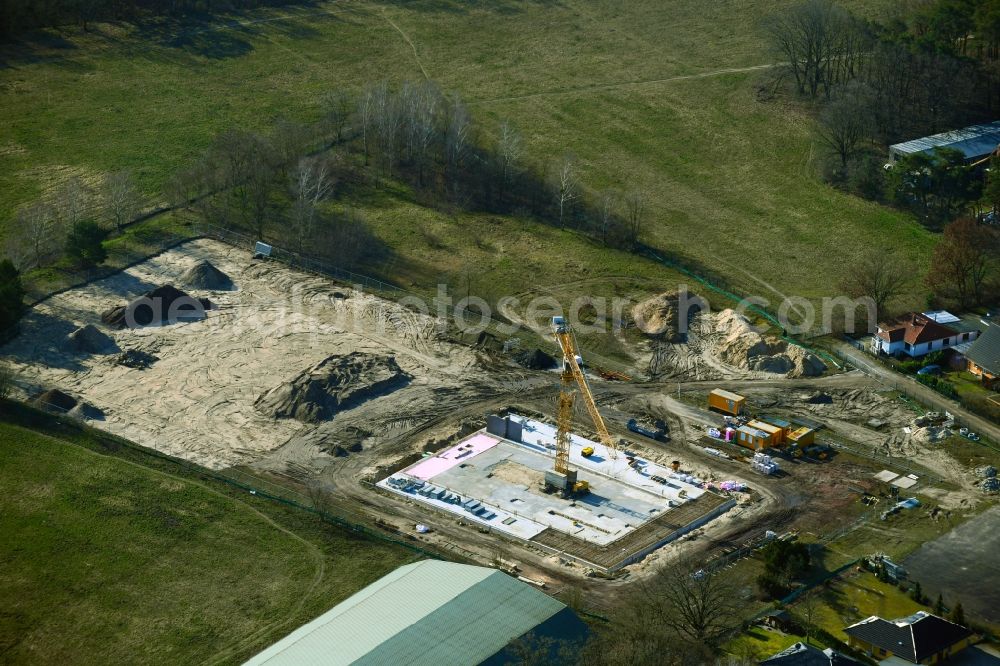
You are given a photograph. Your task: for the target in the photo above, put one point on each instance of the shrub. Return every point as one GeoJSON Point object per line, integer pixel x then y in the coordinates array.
{"type": "Point", "coordinates": [11, 295]}
{"type": "Point", "coordinates": [85, 243]}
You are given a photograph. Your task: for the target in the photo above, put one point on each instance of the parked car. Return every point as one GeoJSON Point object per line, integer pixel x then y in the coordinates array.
{"type": "Point", "coordinates": [930, 370]}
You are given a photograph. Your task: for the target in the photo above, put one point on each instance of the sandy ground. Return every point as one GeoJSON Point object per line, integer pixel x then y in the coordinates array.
{"type": "Point", "coordinates": [197, 400]}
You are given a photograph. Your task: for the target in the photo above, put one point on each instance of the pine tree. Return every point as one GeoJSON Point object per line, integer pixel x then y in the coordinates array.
{"type": "Point", "coordinates": [957, 614]}
{"type": "Point", "coordinates": [939, 606]}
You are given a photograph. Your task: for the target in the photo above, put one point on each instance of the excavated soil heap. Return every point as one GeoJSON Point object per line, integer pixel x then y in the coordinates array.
{"type": "Point", "coordinates": [658, 317]}
{"type": "Point", "coordinates": [160, 305]}
{"type": "Point", "coordinates": [204, 275]}
{"type": "Point", "coordinates": [91, 340]}
{"type": "Point", "coordinates": [55, 400]}
{"type": "Point", "coordinates": [535, 360]}
{"type": "Point", "coordinates": [743, 347]}
{"type": "Point", "coordinates": [136, 358]}
{"type": "Point", "coordinates": [332, 385]}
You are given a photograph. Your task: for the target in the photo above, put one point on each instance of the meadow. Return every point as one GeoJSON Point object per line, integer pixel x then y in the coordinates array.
{"type": "Point", "coordinates": [658, 97]}
{"type": "Point", "coordinates": [105, 557]}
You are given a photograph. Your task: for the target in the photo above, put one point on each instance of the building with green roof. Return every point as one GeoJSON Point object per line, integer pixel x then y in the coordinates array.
{"type": "Point", "coordinates": [431, 613]}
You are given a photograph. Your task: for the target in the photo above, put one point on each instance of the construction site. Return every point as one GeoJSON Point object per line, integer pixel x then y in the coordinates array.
{"type": "Point", "coordinates": [223, 357]}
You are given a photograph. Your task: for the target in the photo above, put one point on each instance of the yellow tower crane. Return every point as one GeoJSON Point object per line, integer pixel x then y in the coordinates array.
{"type": "Point", "coordinates": [562, 478]}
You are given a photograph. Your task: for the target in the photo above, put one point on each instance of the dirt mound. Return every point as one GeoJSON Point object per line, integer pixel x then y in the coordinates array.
{"type": "Point", "coordinates": [658, 317]}
{"type": "Point", "coordinates": [535, 359]}
{"type": "Point", "coordinates": [161, 305]}
{"type": "Point", "coordinates": [135, 358]}
{"type": "Point", "coordinates": [55, 400]}
{"type": "Point", "coordinates": [84, 410]}
{"type": "Point", "coordinates": [91, 340]}
{"type": "Point", "coordinates": [332, 385]}
{"type": "Point", "coordinates": [204, 275]}
{"type": "Point", "coordinates": [743, 347]}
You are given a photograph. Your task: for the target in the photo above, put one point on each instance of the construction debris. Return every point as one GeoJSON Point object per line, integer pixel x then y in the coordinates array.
{"type": "Point", "coordinates": [135, 358]}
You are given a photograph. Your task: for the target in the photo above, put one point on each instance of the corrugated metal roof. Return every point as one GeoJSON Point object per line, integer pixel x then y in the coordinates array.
{"type": "Point", "coordinates": [430, 612]}
{"type": "Point", "coordinates": [974, 141]}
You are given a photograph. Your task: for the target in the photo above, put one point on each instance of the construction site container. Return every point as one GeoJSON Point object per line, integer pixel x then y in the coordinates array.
{"type": "Point", "coordinates": [776, 433]}
{"type": "Point", "coordinates": [726, 402]}
{"type": "Point", "coordinates": [752, 438]}
{"type": "Point", "coordinates": [803, 436]}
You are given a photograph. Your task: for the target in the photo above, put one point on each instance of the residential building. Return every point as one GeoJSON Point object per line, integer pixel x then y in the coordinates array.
{"type": "Point", "coordinates": [921, 638]}
{"type": "Point", "coordinates": [915, 334]}
{"type": "Point", "coordinates": [984, 356]}
{"type": "Point", "coordinates": [800, 654]}
{"type": "Point", "coordinates": [432, 613]}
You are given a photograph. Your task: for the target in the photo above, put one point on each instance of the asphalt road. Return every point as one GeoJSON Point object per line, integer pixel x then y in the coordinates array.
{"type": "Point", "coordinates": [962, 565]}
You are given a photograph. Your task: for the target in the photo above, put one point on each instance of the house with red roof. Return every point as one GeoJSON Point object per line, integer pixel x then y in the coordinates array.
{"type": "Point", "coordinates": [916, 334]}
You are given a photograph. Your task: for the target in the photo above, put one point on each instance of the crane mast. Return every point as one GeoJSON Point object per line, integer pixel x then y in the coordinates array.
{"type": "Point", "coordinates": [572, 373]}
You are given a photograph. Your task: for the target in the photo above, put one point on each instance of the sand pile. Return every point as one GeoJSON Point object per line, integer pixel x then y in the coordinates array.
{"type": "Point", "coordinates": [91, 340]}
{"type": "Point", "coordinates": [204, 275]}
{"type": "Point", "coordinates": [58, 402]}
{"type": "Point", "coordinates": [535, 359]}
{"type": "Point", "coordinates": [742, 347]}
{"type": "Point", "coordinates": [332, 385]}
{"type": "Point", "coordinates": [161, 305]}
{"type": "Point", "coordinates": [658, 317]}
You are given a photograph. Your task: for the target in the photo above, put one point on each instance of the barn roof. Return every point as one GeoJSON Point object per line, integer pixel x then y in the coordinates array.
{"type": "Point", "coordinates": [429, 612]}
{"type": "Point", "coordinates": [973, 142]}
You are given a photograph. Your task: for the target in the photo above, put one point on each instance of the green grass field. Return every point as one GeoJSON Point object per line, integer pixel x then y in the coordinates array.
{"type": "Point", "coordinates": [731, 181]}
{"type": "Point", "coordinates": [108, 561]}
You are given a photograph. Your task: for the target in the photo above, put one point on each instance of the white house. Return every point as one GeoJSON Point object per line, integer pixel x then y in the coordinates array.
{"type": "Point", "coordinates": [916, 334]}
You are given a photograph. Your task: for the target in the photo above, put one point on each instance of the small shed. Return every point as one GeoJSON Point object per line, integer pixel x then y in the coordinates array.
{"type": "Point", "coordinates": [778, 619]}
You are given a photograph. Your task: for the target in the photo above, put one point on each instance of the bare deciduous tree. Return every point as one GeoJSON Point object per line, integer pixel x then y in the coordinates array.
{"type": "Point", "coordinates": [635, 216]}
{"type": "Point", "coordinates": [310, 184]}
{"type": "Point", "coordinates": [72, 199]}
{"type": "Point", "coordinates": [366, 114]}
{"type": "Point", "coordinates": [877, 274]}
{"type": "Point", "coordinates": [388, 119]}
{"type": "Point", "coordinates": [565, 185]}
{"type": "Point", "coordinates": [121, 198]}
{"type": "Point", "coordinates": [509, 153]}
{"type": "Point", "coordinates": [846, 124]}
{"type": "Point", "coordinates": [606, 215]}
{"type": "Point", "coordinates": [337, 108]}
{"type": "Point", "coordinates": [821, 43]}
{"type": "Point", "coordinates": [36, 235]}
